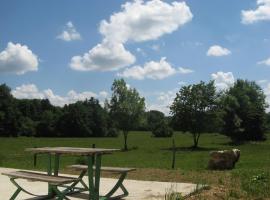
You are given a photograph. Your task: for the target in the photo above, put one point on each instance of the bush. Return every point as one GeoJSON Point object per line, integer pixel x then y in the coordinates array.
{"type": "Point", "coordinates": [112, 132]}
{"type": "Point", "coordinates": [162, 130]}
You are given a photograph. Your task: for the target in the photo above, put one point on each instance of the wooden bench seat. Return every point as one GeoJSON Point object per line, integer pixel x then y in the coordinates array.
{"type": "Point", "coordinates": [53, 181]}
{"type": "Point", "coordinates": [108, 169]}
{"type": "Point", "coordinates": [33, 176]}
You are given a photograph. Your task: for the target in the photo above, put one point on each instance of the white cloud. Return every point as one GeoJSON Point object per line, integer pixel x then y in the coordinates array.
{"type": "Point", "coordinates": [30, 91]}
{"type": "Point", "coordinates": [69, 33]}
{"type": "Point", "coordinates": [138, 21]}
{"type": "Point", "coordinates": [153, 70]}
{"type": "Point", "coordinates": [267, 94]}
{"type": "Point", "coordinates": [183, 70]}
{"type": "Point", "coordinates": [103, 57]}
{"type": "Point", "coordinates": [18, 59]}
{"type": "Point", "coordinates": [263, 81]}
{"type": "Point", "coordinates": [261, 13]}
{"type": "Point", "coordinates": [103, 94]}
{"type": "Point", "coordinates": [163, 101]}
{"type": "Point", "coordinates": [155, 47]}
{"type": "Point", "coordinates": [265, 62]}
{"type": "Point", "coordinates": [181, 83]}
{"type": "Point", "coordinates": [223, 80]}
{"type": "Point", "coordinates": [217, 51]}
{"type": "Point", "coordinates": [142, 21]}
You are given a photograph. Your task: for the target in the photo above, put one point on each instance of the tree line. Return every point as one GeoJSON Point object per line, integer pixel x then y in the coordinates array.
{"type": "Point", "coordinates": [239, 112]}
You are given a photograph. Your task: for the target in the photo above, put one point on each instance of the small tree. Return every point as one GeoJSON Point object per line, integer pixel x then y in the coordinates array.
{"type": "Point", "coordinates": [126, 107]}
{"type": "Point", "coordinates": [244, 112]}
{"type": "Point", "coordinates": [194, 108]}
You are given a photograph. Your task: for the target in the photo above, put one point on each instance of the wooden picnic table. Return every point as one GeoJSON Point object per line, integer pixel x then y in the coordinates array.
{"type": "Point", "coordinates": [93, 155]}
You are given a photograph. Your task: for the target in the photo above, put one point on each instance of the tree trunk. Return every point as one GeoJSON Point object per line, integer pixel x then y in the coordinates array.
{"type": "Point", "coordinates": [125, 140]}
{"type": "Point", "coordinates": [196, 137]}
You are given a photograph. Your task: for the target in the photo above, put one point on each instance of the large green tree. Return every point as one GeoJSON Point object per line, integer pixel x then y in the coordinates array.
{"type": "Point", "coordinates": [126, 107]}
{"type": "Point", "coordinates": [244, 112]}
{"type": "Point", "coordinates": [194, 108]}
{"type": "Point", "coordinates": [83, 119]}
{"type": "Point", "coordinates": [9, 115]}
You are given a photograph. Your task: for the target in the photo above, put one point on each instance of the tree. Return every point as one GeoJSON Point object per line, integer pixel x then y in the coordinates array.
{"type": "Point", "coordinates": [193, 108]}
{"type": "Point", "coordinates": [126, 107]}
{"type": "Point", "coordinates": [9, 115]}
{"type": "Point", "coordinates": [83, 119]}
{"type": "Point", "coordinates": [244, 112]}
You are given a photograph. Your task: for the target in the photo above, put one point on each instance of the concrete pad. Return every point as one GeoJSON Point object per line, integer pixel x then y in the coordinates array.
{"type": "Point", "coordinates": [138, 190]}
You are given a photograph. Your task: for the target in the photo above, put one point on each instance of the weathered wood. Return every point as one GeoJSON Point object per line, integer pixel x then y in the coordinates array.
{"type": "Point", "coordinates": [108, 169]}
{"type": "Point", "coordinates": [72, 150]}
{"type": "Point", "coordinates": [34, 176]}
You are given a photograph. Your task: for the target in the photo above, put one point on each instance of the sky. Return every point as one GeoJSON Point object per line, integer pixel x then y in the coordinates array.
{"type": "Point", "coordinates": [67, 51]}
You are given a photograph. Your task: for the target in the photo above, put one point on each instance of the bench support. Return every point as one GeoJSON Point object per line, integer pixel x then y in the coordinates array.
{"type": "Point", "coordinates": [119, 184]}
{"type": "Point", "coordinates": [59, 195]}
{"type": "Point", "coordinates": [19, 189]}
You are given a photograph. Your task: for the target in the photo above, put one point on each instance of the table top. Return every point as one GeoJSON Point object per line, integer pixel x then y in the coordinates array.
{"type": "Point", "coordinates": [71, 150]}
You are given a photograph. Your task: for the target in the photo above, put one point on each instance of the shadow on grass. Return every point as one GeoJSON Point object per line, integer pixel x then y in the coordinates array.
{"type": "Point", "coordinates": [186, 149]}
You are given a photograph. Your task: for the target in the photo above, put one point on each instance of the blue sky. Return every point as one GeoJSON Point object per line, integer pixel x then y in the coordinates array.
{"type": "Point", "coordinates": [71, 50]}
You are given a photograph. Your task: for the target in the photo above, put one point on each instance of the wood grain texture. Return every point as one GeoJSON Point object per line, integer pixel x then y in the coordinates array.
{"type": "Point", "coordinates": [71, 150]}
{"type": "Point", "coordinates": [33, 176]}
{"type": "Point", "coordinates": [108, 169]}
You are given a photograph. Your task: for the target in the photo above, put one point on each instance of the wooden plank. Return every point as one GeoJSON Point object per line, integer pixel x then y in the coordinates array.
{"type": "Point", "coordinates": [109, 169]}
{"type": "Point", "coordinates": [33, 176]}
{"type": "Point", "coordinates": [71, 150]}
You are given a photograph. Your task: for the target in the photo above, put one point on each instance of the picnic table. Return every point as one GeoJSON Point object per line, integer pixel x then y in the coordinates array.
{"type": "Point", "coordinates": [93, 156]}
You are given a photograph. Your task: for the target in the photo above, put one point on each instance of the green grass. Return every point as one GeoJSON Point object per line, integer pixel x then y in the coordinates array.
{"type": "Point", "coordinates": [153, 153]}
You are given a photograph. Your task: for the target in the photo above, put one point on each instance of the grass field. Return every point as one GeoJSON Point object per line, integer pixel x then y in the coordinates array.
{"type": "Point", "coordinates": [248, 180]}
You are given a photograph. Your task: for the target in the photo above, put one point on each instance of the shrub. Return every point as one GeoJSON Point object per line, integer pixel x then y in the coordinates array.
{"type": "Point", "coordinates": [113, 132]}
{"type": "Point", "coordinates": [162, 130]}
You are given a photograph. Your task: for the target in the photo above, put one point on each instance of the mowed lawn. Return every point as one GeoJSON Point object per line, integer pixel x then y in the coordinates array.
{"type": "Point", "coordinates": [153, 158]}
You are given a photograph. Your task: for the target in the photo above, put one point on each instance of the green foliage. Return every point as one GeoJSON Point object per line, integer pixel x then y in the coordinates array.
{"type": "Point", "coordinates": [195, 108]}
{"type": "Point", "coordinates": [9, 115]}
{"type": "Point", "coordinates": [154, 117]}
{"type": "Point", "coordinates": [162, 129]}
{"type": "Point", "coordinates": [256, 183]}
{"type": "Point", "coordinates": [244, 112]}
{"type": "Point", "coordinates": [170, 194]}
{"type": "Point", "coordinates": [83, 119]}
{"type": "Point", "coordinates": [126, 107]}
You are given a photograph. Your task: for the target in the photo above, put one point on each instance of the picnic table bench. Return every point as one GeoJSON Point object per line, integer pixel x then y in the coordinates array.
{"type": "Point", "coordinates": [54, 181]}
{"type": "Point", "coordinates": [93, 169]}
{"type": "Point", "coordinates": [119, 184]}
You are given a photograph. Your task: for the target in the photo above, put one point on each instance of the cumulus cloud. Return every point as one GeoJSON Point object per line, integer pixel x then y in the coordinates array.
{"type": "Point", "coordinates": [265, 62]}
{"type": "Point", "coordinates": [153, 70]}
{"type": "Point", "coordinates": [261, 13]}
{"type": "Point", "coordinates": [183, 70]}
{"type": "Point", "coordinates": [18, 59]}
{"type": "Point", "coordinates": [142, 21]}
{"type": "Point", "coordinates": [69, 33]}
{"type": "Point", "coordinates": [223, 80]}
{"type": "Point", "coordinates": [267, 93]}
{"type": "Point", "coordinates": [163, 101]}
{"type": "Point", "coordinates": [217, 51]}
{"type": "Point", "coordinates": [106, 56]}
{"type": "Point", "coordinates": [137, 21]}
{"type": "Point", "coordinates": [30, 91]}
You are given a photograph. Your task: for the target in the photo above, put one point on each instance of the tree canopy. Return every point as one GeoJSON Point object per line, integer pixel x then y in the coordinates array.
{"type": "Point", "coordinates": [244, 112]}
{"type": "Point", "coordinates": [193, 109]}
